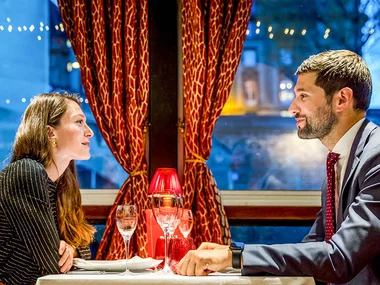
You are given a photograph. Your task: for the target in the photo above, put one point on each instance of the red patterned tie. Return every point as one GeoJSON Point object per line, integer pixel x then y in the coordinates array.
{"type": "Point", "coordinates": [332, 158]}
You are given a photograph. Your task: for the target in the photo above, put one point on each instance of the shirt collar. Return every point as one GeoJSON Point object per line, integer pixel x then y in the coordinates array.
{"type": "Point", "coordinates": [343, 146]}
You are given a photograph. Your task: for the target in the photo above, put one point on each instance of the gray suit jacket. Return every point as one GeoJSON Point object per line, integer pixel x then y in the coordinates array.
{"type": "Point", "coordinates": [353, 255]}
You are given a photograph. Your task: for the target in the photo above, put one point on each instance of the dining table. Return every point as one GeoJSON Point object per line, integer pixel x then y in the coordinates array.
{"type": "Point", "coordinates": [157, 278]}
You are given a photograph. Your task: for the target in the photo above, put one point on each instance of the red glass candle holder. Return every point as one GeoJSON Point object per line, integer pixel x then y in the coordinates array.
{"type": "Point", "coordinates": [178, 247]}
{"type": "Point", "coordinates": [160, 251]}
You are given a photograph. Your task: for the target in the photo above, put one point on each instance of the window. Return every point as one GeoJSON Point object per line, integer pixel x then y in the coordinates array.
{"type": "Point", "coordinates": [255, 145]}
{"type": "Point", "coordinates": [37, 58]}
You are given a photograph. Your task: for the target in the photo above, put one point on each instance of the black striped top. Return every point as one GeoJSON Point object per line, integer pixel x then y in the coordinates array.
{"type": "Point", "coordinates": [29, 235]}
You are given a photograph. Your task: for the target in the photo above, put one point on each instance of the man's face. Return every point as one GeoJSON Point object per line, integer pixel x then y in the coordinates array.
{"type": "Point", "coordinates": [315, 117]}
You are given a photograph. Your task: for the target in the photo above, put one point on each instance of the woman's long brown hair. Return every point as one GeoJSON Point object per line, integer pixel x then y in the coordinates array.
{"type": "Point", "coordinates": [32, 141]}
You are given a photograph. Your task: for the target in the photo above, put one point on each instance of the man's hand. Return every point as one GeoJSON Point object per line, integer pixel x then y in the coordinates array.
{"type": "Point", "coordinates": [209, 257]}
{"type": "Point", "coordinates": [66, 252]}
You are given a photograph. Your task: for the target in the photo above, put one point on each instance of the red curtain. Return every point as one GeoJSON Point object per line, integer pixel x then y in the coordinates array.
{"type": "Point", "coordinates": [110, 41]}
{"type": "Point", "coordinates": [213, 34]}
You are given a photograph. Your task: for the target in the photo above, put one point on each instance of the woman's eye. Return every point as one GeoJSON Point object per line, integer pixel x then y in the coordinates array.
{"type": "Point", "coordinates": [80, 122]}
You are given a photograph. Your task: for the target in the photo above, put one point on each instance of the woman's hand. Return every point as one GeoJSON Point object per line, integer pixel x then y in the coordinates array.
{"type": "Point", "coordinates": [67, 253]}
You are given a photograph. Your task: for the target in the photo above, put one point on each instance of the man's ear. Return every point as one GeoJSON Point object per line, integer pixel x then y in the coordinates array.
{"type": "Point", "coordinates": [344, 98]}
{"type": "Point", "coordinates": [51, 132]}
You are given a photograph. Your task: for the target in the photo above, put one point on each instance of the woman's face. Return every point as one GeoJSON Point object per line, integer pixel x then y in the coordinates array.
{"type": "Point", "coordinates": [72, 135]}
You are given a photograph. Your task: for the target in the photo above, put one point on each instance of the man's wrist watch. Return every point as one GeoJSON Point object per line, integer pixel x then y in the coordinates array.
{"type": "Point", "coordinates": [237, 250]}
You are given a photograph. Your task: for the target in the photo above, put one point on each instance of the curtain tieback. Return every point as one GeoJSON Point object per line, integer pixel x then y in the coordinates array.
{"type": "Point", "coordinates": [198, 158]}
{"type": "Point", "coordinates": [136, 173]}
{"type": "Point", "coordinates": [201, 160]}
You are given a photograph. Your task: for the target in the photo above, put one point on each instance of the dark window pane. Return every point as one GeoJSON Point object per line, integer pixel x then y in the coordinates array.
{"type": "Point", "coordinates": [255, 145]}
{"type": "Point", "coordinates": [269, 234]}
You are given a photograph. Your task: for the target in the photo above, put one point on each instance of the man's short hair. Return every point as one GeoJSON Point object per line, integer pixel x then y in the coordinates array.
{"type": "Point", "coordinates": [337, 69]}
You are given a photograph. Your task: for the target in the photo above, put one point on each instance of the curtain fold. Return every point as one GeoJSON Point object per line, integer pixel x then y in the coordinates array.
{"type": "Point", "coordinates": [110, 41]}
{"type": "Point", "coordinates": [213, 34]}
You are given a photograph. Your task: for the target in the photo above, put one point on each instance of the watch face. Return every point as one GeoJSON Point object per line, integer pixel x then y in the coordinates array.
{"type": "Point", "coordinates": [237, 245]}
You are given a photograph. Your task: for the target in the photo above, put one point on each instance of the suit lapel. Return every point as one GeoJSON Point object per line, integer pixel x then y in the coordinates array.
{"type": "Point", "coordinates": [358, 145]}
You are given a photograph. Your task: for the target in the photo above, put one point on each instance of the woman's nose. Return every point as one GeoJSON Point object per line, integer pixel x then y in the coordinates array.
{"type": "Point", "coordinates": [89, 133]}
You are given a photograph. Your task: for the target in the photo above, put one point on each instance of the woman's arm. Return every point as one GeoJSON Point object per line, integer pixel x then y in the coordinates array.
{"type": "Point", "coordinates": [25, 198]}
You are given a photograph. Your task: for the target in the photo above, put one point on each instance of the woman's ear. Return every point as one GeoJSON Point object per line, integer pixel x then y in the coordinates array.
{"type": "Point", "coordinates": [51, 132]}
{"type": "Point", "coordinates": [344, 99]}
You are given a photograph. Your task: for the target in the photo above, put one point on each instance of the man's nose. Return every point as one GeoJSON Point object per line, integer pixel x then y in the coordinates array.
{"type": "Point", "coordinates": [293, 108]}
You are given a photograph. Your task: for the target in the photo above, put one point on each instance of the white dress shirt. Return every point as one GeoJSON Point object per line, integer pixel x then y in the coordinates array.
{"type": "Point", "coordinates": [343, 147]}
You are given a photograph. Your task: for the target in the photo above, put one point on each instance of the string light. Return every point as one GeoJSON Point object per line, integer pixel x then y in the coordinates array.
{"type": "Point", "coordinates": [31, 28]}
{"type": "Point", "coordinates": [60, 27]}
{"type": "Point", "coordinates": [24, 100]}
{"type": "Point", "coordinates": [69, 67]}
{"type": "Point", "coordinates": [327, 31]}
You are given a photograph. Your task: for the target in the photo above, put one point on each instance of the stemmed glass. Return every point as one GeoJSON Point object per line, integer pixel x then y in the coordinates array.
{"type": "Point", "coordinates": [165, 209]}
{"type": "Point", "coordinates": [126, 221]}
{"type": "Point", "coordinates": [186, 222]}
{"type": "Point", "coordinates": [173, 227]}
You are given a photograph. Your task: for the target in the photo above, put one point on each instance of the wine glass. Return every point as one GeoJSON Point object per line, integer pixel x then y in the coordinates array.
{"type": "Point", "coordinates": [173, 227]}
{"type": "Point", "coordinates": [165, 210]}
{"type": "Point", "coordinates": [186, 222]}
{"type": "Point", "coordinates": [126, 221]}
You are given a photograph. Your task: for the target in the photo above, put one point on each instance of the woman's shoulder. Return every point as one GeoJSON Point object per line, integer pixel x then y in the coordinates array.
{"type": "Point", "coordinates": [23, 168]}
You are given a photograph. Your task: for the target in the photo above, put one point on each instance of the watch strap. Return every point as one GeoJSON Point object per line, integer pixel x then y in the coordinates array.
{"type": "Point", "coordinates": [237, 250]}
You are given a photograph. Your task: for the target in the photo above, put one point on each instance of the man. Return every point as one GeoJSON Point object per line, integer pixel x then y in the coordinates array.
{"type": "Point", "coordinates": [333, 92]}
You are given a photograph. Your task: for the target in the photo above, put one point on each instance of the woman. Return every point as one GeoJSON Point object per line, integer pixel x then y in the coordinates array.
{"type": "Point", "coordinates": [42, 225]}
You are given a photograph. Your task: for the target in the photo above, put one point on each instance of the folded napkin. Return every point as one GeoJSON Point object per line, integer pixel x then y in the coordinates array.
{"type": "Point", "coordinates": [135, 264]}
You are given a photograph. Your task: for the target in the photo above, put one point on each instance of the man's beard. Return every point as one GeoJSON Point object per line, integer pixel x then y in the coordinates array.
{"type": "Point", "coordinates": [319, 124]}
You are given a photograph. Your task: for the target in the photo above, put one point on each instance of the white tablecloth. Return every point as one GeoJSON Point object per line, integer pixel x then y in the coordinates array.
{"type": "Point", "coordinates": [161, 279]}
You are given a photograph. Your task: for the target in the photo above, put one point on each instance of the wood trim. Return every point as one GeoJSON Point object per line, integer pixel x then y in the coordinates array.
{"type": "Point", "coordinates": [235, 214]}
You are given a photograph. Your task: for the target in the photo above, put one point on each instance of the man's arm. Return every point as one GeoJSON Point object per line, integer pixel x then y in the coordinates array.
{"type": "Point", "coordinates": [351, 248]}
